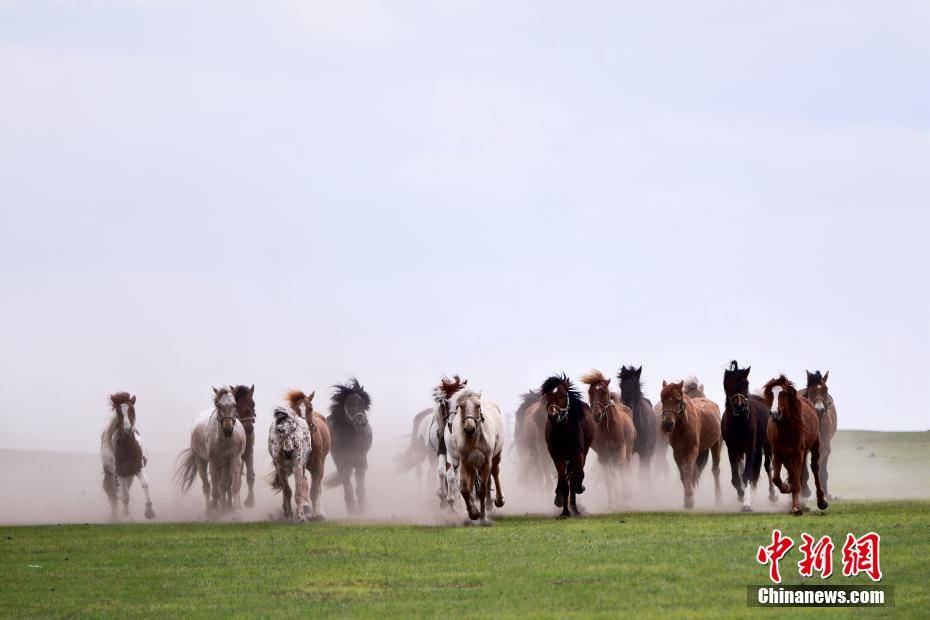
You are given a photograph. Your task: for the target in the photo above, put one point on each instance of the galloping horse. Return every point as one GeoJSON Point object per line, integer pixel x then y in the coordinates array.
{"type": "Point", "coordinates": [289, 447]}
{"type": "Point", "coordinates": [569, 433]}
{"type": "Point", "coordinates": [476, 433]}
{"type": "Point", "coordinates": [301, 406]}
{"type": "Point", "coordinates": [530, 441]}
{"type": "Point", "coordinates": [422, 448]}
{"type": "Point", "coordinates": [816, 392]}
{"type": "Point", "coordinates": [123, 455]}
{"type": "Point", "coordinates": [245, 407]}
{"type": "Point", "coordinates": [217, 443]}
{"type": "Point", "coordinates": [351, 441]}
{"type": "Point", "coordinates": [615, 434]}
{"type": "Point", "coordinates": [692, 424]}
{"type": "Point", "coordinates": [644, 420]}
{"type": "Point", "coordinates": [744, 428]}
{"type": "Point", "coordinates": [793, 432]}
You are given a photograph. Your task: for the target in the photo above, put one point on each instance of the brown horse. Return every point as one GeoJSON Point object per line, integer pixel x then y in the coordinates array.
{"type": "Point", "coordinates": [302, 406]}
{"type": "Point", "coordinates": [793, 432]}
{"type": "Point", "coordinates": [816, 392]}
{"type": "Point", "coordinates": [660, 453]}
{"type": "Point", "coordinates": [692, 424]}
{"type": "Point", "coordinates": [245, 405]}
{"type": "Point", "coordinates": [569, 433]}
{"type": "Point", "coordinates": [615, 434]}
{"type": "Point", "coordinates": [530, 440]}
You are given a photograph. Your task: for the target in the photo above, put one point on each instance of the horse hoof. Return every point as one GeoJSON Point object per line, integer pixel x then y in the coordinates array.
{"type": "Point", "coordinates": [317, 517]}
{"type": "Point", "coordinates": [797, 512]}
{"type": "Point", "coordinates": [558, 501]}
{"type": "Point", "coordinates": [250, 502]}
{"type": "Point", "coordinates": [499, 502]}
{"type": "Point", "coordinates": [580, 489]}
{"type": "Point", "coordinates": [773, 498]}
{"type": "Point", "coordinates": [473, 515]}
{"type": "Point", "coordinates": [689, 503]}
{"type": "Point", "coordinates": [746, 509]}
{"type": "Point", "coordinates": [822, 504]}
{"type": "Point", "coordinates": [486, 522]}
{"type": "Point", "coordinates": [149, 513]}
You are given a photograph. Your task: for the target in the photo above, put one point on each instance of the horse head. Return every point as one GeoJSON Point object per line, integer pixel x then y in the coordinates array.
{"type": "Point", "coordinates": [781, 398]}
{"type": "Point", "coordinates": [557, 393]}
{"type": "Point", "coordinates": [817, 391]}
{"type": "Point", "coordinates": [446, 389]}
{"type": "Point", "coordinates": [283, 436]}
{"type": "Point", "coordinates": [351, 402]}
{"type": "Point", "coordinates": [598, 393]}
{"type": "Point", "coordinates": [630, 383]}
{"type": "Point", "coordinates": [227, 413]}
{"type": "Point", "coordinates": [124, 408]}
{"type": "Point", "coordinates": [736, 388]}
{"type": "Point", "coordinates": [245, 406]}
{"type": "Point", "coordinates": [301, 404]}
{"type": "Point", "coordinates": [673, 405]}
{"type": "Point", "coordinates": [468, 406]}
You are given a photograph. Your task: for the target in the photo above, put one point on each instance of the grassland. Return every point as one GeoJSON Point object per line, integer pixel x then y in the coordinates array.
{"type": "Point", "coordinates": [653, 564]}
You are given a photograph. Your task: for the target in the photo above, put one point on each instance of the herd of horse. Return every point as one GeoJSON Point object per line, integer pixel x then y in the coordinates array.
{"type": "Point", "coordinates": [461, 436]}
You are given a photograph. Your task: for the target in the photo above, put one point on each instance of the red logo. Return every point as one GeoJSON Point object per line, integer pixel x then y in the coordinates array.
{"type": "Point", "coordinates": [773, 553]}
{"type": "Point", "coordinates": [860, 555]}
{"type": "Point", "coordinates": [817, 556]}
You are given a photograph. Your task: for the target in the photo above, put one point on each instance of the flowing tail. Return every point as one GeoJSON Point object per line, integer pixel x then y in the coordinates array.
{"type": "Point", "coordinates": [186, 471]}
{"type": "Point", "coordinates": [274, 481]}
{"type": "Point", "coordinates": [408, 459]}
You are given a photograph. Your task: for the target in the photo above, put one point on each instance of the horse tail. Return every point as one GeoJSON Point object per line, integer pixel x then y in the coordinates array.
{"type": "Point", "coordinates": [332, 480]}
{"type": "Point", "coordinates": [273, 480]}
{"type": "Point", "coordinates": [407, 460]}
{"type": "Point", "coordinates": [186, 471]}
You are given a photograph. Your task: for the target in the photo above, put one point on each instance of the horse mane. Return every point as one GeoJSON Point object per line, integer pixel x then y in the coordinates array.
{"type": "Point", "coordinates": [639, 384]}
{"type": "Point", "coordinates": [813, 378]}
{"type": "Point", "coordinates": [461, 395]}
{"type": "Point", "coordinates": [575, 399]}
{"type": "Point", "coordinates": [241, 391]}
{"type": "Point", "coordinates": [342, 392]}
{"type": "Point", "coordinates": [447, 387]}
{"type": "Point", "coordinates": [592, 377]}
{"type": "Point", "coordinates": [526, 401]}
{"type": "Point", "coordinates": [794, 407]}
{"type": "Point", "coordinates": [116, 399]}
{"type": "Point", "coordinates": [692, 388]}
{"type": "Point", "coordinates": [294, 397]}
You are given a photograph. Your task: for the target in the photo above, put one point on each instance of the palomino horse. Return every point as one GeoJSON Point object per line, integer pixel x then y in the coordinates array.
{"type": "Point", "coordinates": [631, 393]}
{"type": "Point", "coordinates": [530, 440]}
{"type": "Point", "coordinates": [744, 428]}
{"type": "Point", "coordinates": [793, 432]}
{"type": "Point", "coordinates": [692, 424]}
{"type": "Point", "coordinates": [569, 433]}
{"type": "Point", "coordinates": [476, 434]}
{"type": "Point", "coordinates": [816, 392]}
{"type": "Point", "coordinates": [123, 455]}
{"type": "Point", "coordinates": [351, 441]}
{"type": "Point", "coordinates": [301, 406]}
{"type": "Point", "coordinates": [289, 447]}
{"type": "Point", "coordinates": [245, 406]}
{"type": "Point", "coordinates": [217, 444]}
{"type": "Point", "coordinates": [615, 434]}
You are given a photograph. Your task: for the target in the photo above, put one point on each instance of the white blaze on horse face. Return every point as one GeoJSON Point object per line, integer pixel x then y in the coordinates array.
{"type": "Point", "coordinates": [775, 393]}
{"type": "Point", "coordinates": [227, 400]}
{"type": "Point", "coordinates": [124, 409]}
{"type": "Point", "coordinates": [303, 410]}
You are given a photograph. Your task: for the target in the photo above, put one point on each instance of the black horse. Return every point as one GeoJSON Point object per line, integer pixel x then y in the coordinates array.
{"type": "Point", "coordinates": [744, 427]}
{"type": "Point", "coordinates": [569, 433]}
{"type": "Point", "coordinates": [245, 407]}
{"type": "Point", "coordinates": [644, 417]}
{"type": "Point", "coordinates": [351, 441]}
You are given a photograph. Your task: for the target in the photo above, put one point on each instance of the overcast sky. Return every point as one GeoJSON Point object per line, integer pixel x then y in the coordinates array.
{"type": "Point", "coordinates": [197, 193]}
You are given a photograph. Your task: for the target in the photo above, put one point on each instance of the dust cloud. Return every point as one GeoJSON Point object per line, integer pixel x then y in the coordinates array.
{"type": "Point", "coordinates": [60, 487]}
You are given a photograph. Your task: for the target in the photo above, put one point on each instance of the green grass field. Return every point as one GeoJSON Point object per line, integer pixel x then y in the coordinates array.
{"type": "Point", "coordinates": [695, 565]}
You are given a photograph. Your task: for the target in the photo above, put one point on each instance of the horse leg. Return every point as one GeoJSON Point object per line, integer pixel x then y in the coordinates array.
{"type": "Point", "coordinates": [204, 483]}
{"type": "Point", "coordinates": [794, 478]}
{"type": "Point", "coordinates": [348, 492]}
{"type": "Point", "coordinates": [825, 451]}
{"type": "Point", "coordinates": [485, 491]}
{"type": "Point", "coordinates": [735, 480]}
{"type": "Point", "coordinates": [805, 487]}
{"type": "Point", "coordinates": [111, 486]}
{"type": "Point", "coordinates": [776, 477]}
{"type": "Point", "coordinates": [249, 458]}
{"type": "Point", "coordinates": [149, 513]}
{"type": "Point", "coordinates": [466, 486]}
{"type": "Point", "coordinates": [818, 483]}
{"type": "Point", "coordinates": [686, 468]}
{"type": "Point", "coordinates": [235, 474]}
{"type": "Point", "coordinates": [576, 475]}
{"type": "Point", "coordinates": [216, 482]}
{"type": "Point", "coordinates": [495, 471]}
{"type": "Point", "coordinates": [749, 482]}
{"type": "Point", "coordinates": [715, 469]}
{"type": "Point", "coordinates": [124, 484]}
{"type": "Point", "coordinates": [561, 488]}
{"type": "Point", "coordinates": [301, 505]}
{"type": "Point", "coordinates": [285, 494]}
{"type": "Point", "coordinates": [360, 488]}
{"type": "Point", "coordinates": [767, 454]}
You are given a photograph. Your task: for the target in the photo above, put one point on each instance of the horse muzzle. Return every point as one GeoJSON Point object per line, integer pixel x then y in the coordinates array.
{"type": "Point", "coordinates": [288, 454]}
{"type": "Point", "coordinates": [668, 426]}
{"type": "Point", "coordinates": [227, 432]}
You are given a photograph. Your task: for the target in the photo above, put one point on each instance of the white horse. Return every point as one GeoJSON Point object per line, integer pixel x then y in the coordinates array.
{"type": "Point", "coordinates": [123, 455]}
{"type": "Point", "coordinates": [217, 443]}
{"type": "Point", "coordinates": [289, 446]}
{"type": "Point", "coordinates": [475, 441]}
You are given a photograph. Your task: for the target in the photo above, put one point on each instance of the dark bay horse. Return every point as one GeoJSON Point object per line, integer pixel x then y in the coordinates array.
{"type": "Point", "coordinates": [793, 432]}
{"type": "Point", "coordinates": [816, 392]}
{"type": "Point", "coordinates": [569, 434]}
{"type": "Point", "coordinates": [614, 436]}
{"type": "Point", "coordinates": [301, 405]}
{"type": "Point", "coordinates": [744, 428]}
{"type": "Point", "coordinates": [351, 441]}
{"type": "Point", "coordinates": [245, 404]}
{"type": "Point", "coordinates": [644, 419]}
{"type": "Point", "coordinates": [692, 424]}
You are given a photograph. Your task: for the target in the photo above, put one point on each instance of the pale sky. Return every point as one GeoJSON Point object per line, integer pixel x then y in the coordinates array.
{"type": "Point", "coordinates": [198, 193]}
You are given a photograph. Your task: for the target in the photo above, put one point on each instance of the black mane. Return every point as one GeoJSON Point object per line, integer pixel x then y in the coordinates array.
{"type": "Point", "coordinates": [576, 401]}
{"type": "Point", "coordinates": [341, 394]}
{"type": "Point", "coordinates": [637, 386]}
{"type": "Point", "coordinates": [526, 401]}
{"type": "Point", "coordinates": [813, 378]}
{"type": "Point", "coordinates": [241, 391]}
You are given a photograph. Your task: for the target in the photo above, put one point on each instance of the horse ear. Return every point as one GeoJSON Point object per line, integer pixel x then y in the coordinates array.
{"type": "Point", "coordinates": [701, 387]}
{"type": "Point", "coordinates": [825, 375]}
{"type": "Point", "coordinates": [310, 398]}
{"type": "Point", "coordinates": [608, 380]}
{"type": "Point", "coordinates": [746, 371]}
{"type": "Point", "coordinates": [133, 399]}
{"type": "Point", "coordinates": [252, 390]}
{"type": "Point", "coordinates": [664, 383]}
{"type": "Point", "coordinates": [639, 370]}
{"type": "Point", "coordinates": [216, 391]}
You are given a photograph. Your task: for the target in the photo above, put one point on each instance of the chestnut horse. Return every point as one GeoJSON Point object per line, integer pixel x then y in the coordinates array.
{"type": "Point", "coordinates": [793, 432]}
{"type": "Point", "coordinates": [301, 405]}
{"type": "Point", "coordinates": [692, 424]}
{"type": "Point", "coordinates": [569, 433]}
{"type": "Point", "coordinates": [245, 405]}
{"type": "Point", "coordinates": [647, 430]}
{"type": "Point", "coordinates": [615, 434]}
{"type": "Point", "coordinates": [816, 392]}
{"type": "Point", "coordinates": [744, 427]}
